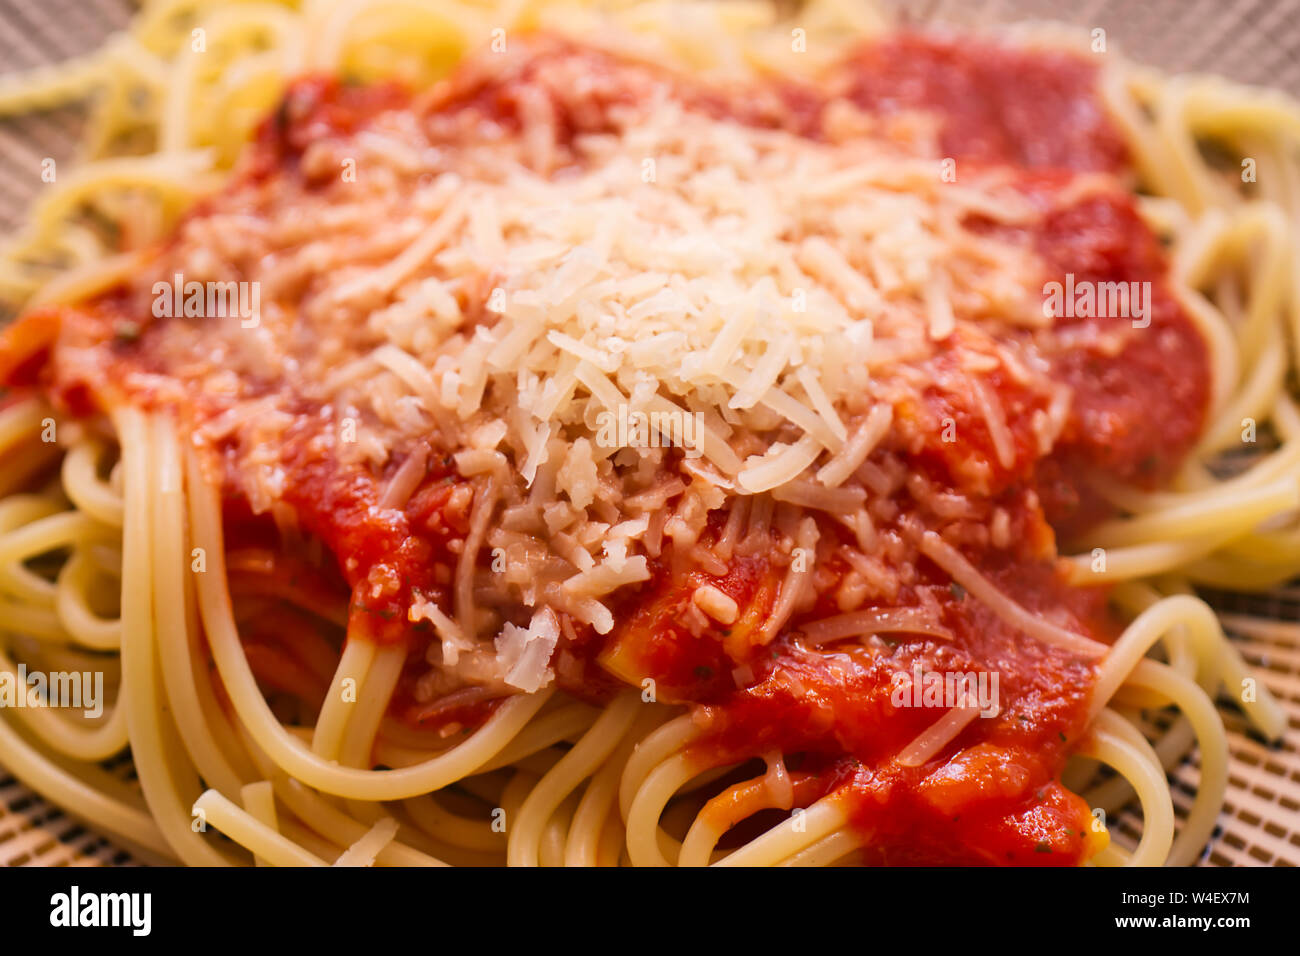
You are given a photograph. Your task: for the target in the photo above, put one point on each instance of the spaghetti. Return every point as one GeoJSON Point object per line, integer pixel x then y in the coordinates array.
{"type": "Point", "coordinates": [635, 435]}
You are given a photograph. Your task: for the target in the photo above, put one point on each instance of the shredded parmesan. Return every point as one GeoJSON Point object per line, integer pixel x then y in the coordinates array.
{"type": "Point", "coordinates": [716, 604]}
{"type": "Point", "coordinates": [965, 574]}
{"type": "Point", "coordinates": [523, 653]}
{"type": "Point", "coordinates": [938, 735]}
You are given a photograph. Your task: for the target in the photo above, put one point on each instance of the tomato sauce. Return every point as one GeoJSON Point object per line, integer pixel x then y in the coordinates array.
{"type": "Point", "coordinates": [1034, 109]}
{"type": "Point", "coordinates": [1137, 412]}
{"type": "Point", "coordinates": [312, 109]}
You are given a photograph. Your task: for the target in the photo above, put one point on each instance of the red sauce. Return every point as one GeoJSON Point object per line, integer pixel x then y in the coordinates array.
{"type": "Point", "coordinates": [993, 794]}
{"type": "Point", "coordinates": [958, 463]}
{"type": "Point", "coordinates": [580, 96]}
{"type": "Point", "coordinates": [387, 555]}
{"type": "Point", "coordinates": [1135, 413]}
{"type": "Point", "coordinates": [316, 108]}
{"type": "Point", "coordinates": [1138, 407]}
{"type": "Point", "coordinates": [1028, 108]}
